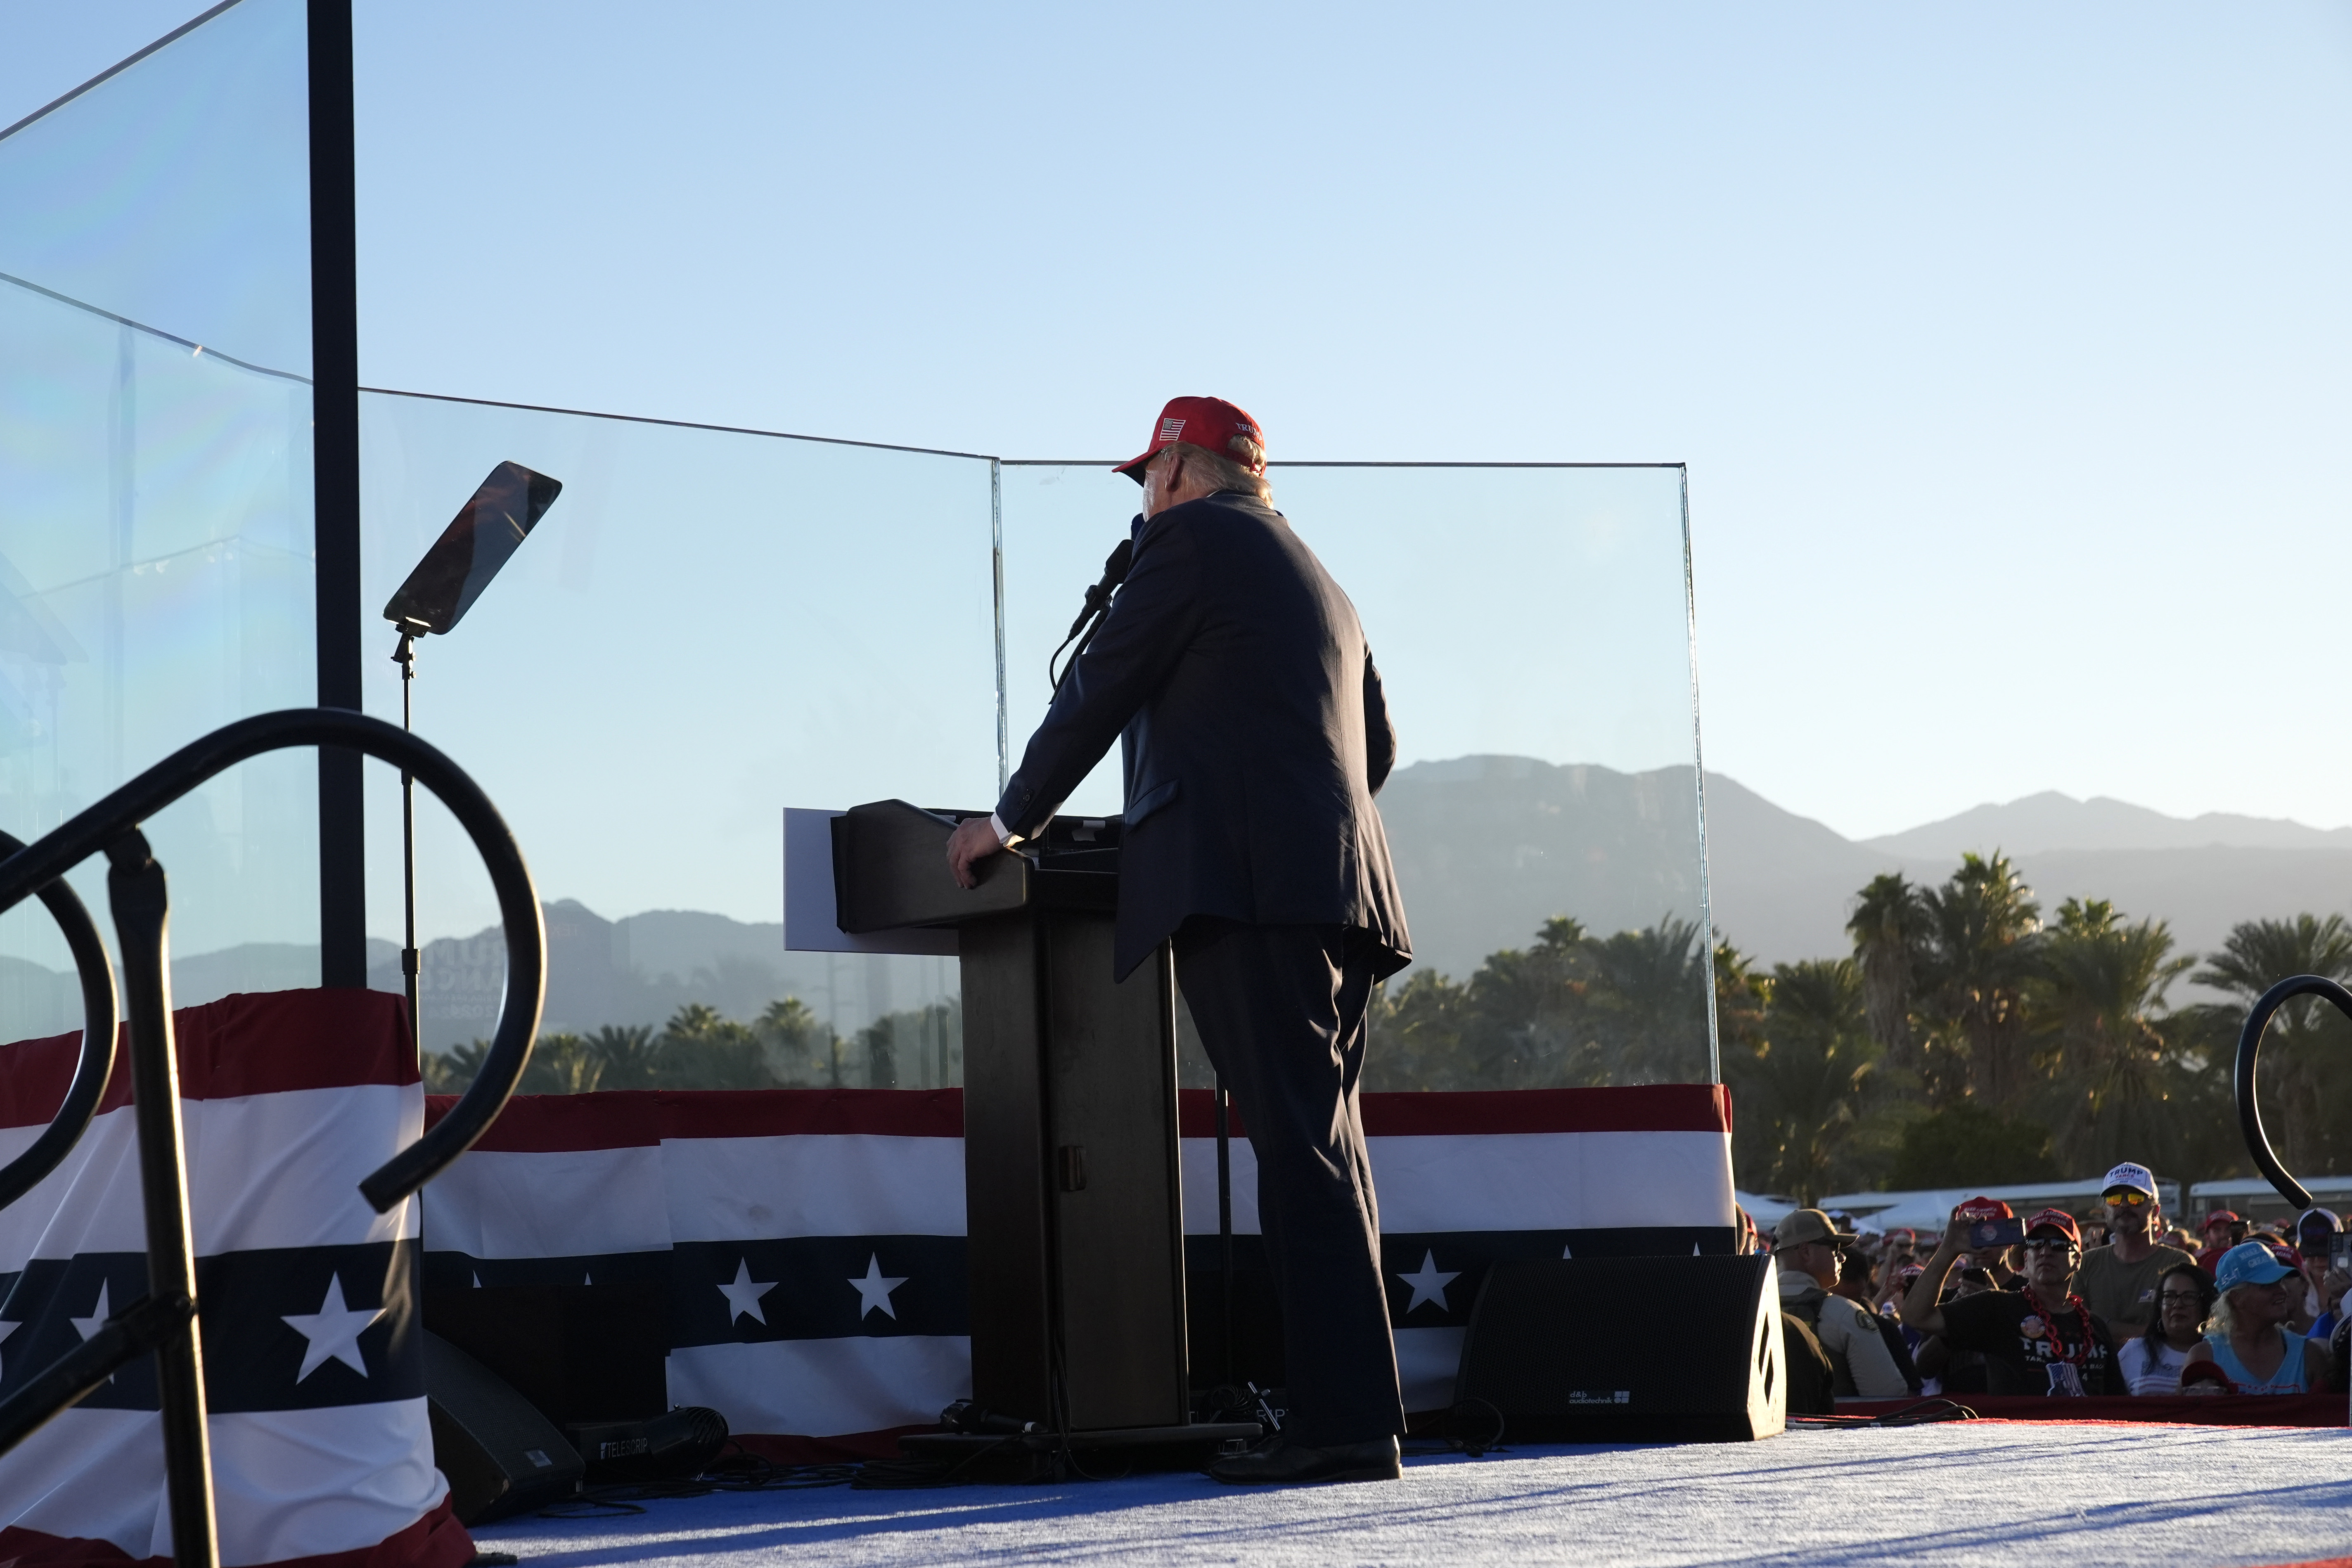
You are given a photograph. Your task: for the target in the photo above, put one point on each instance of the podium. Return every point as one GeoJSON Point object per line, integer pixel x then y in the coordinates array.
{"type": "Point", "coordinates": [1074, 1205]}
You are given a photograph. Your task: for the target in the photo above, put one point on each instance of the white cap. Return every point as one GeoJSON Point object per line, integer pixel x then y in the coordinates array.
{"type": "Point", "coordinates": [2128, 1174]}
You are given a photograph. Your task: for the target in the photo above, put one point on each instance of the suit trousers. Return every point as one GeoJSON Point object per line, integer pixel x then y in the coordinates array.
{"type": "Point", "coordinates": [1281, 1013]}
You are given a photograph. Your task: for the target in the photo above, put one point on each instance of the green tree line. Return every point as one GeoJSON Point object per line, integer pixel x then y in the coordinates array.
{"type": "Point", "coordinates": [1967, 1041]}
{"type": "Point", "coordinates": [786, 1046]}
{"type": "Point", "coordinates": [1964, 1040]}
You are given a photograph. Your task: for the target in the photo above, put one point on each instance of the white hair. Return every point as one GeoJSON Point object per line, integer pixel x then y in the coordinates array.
{"type": "Point", "coordinates": [2224, 1320]}
{"type": "Point", "coordinates": [1244, 470]}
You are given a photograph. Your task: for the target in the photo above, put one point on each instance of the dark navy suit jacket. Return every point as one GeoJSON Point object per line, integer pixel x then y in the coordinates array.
{"type": "Point", "coordinates": [1255, 736]}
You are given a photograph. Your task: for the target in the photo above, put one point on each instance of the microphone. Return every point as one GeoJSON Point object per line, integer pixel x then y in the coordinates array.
{"type": "Point", "coordinates": [1097, 602]}
{"type": "Point", "coordinates": [1098, 596]}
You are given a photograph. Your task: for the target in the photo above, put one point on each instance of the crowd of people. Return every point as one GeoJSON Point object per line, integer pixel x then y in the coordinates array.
{"type": "Point", "coordinates": [2045, 1304]}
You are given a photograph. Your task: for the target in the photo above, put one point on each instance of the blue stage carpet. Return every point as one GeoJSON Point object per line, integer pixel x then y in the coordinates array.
{"type": "Point", "coordinates": [1977, 1492]}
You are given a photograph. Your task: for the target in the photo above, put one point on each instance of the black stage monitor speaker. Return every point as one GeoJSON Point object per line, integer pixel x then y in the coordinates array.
{"type": "Point", "coordinates": [579, 1353]}
{"type": "Point", "coordinates": [1676, 1350]}
{"type": "Point", "coordinates": [501, 1456]}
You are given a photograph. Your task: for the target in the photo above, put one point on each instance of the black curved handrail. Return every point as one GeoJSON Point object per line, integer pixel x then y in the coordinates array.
{"type": "Point", "coordinates": [2250, 1041]}
{"type": "Point", "coordinates": [39, 865]}
{"type": "Point", "coordinates": [95, 1067]}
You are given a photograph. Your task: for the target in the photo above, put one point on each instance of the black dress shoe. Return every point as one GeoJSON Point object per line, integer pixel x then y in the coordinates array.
{"type": "Point", "coordinates": [1283, 1463]}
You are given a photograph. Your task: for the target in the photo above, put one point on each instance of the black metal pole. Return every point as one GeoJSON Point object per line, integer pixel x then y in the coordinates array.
{"type": "Point", "coordinates": [135, 886]}
{"type": "Point", "coordinates": [412, 961]}
{"type": "Point", "coordinates": [1226, 1224]}
{"type": "Point", "coordinates": [335, 470]}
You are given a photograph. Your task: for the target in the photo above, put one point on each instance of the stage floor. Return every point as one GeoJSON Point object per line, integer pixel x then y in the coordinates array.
{"type": "Point", "coordinates": [1963, 1492]}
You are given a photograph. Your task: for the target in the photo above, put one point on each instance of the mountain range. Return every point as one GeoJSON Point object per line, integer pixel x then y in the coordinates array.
{"type": "Point", "coordinates": [1486, 848]}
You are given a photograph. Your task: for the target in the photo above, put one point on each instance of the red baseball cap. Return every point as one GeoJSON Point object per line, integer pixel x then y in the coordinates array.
{"type": "Point", "coordinates": [1979, 1210]}
{"type": "Point", "coordinates": [1207, 423]}
{"type": "Point", "coordinates": [2058, 1220]}
{"type": "Point", "coordinates": [2220, 1216]}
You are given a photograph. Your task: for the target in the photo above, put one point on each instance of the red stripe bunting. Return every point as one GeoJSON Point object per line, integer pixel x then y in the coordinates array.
{"type": "Point", "coordinates": [2190, 1409]}
{"type": "Point", "coordinates": [436, 1540]}
{"type": "Point", "coordinates": [548, 1123]}
{"type": "Point", "coordinates": [241, 1045]}
{"type": "Point", "coordinates": [628, 1118]}
{"type": "Point", "coordinates": [1648, 1108]}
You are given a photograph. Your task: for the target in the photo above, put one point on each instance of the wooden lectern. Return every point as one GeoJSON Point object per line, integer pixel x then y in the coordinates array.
{"type": "Point", "coordinates": [1074, 1210]}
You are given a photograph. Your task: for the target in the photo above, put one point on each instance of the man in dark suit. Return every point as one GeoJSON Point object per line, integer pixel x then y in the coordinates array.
{"type": "Point", "coordinates": [1254, 736]}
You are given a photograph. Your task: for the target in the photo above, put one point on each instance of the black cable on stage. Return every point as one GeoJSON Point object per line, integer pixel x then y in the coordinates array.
{"type": "Point", "coordinates": [739, 1471]}
{"type": "Point", "coordinates": [1920, 1413]}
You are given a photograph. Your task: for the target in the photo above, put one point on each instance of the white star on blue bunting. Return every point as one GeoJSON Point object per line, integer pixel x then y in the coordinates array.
{"type": "Point", "coordinates": [1430, 1284]}
{"type": "Point", "coordinates": [873, 1290]}
{"type": "Point", "coordinates": [333, 1331]}
{"type": "Point", "coordinates": [743, 1295]}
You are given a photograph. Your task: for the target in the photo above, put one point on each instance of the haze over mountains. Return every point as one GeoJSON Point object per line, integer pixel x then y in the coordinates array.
{"type": "Point", "coordinates": [1486, 847]}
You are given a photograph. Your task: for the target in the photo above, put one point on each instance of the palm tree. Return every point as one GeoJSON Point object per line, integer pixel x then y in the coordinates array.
{"type": "Point", "coordinates": [1889, 930]}
{"type": "Point", "coordinates": [2096, 1004]}
{"type": "Point", "coordinates": [1648, 991]}
{"type": "Point", "coordinates": [1524, 1018]}
{"type": "Point", "coordinates": [702, 1048]}
{"type": "Point", "coordinates": [2304, 1056]}
{"type": "Point", "coordinates": [630, 1057]}
{"type": "Point", "coordinates": [1802, 1085]}
{"type": "Point", "coordinates": [794, 1038]}
{"type": "Point", "coordinates": [562, 1064]}
{"type": "Point", "coordinates": [1982, 930]}
{"type": "Point", "coordinates": [454, 1070]}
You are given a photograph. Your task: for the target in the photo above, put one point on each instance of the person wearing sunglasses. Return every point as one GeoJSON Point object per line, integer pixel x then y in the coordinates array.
{"type": "Point", "coordinates": [2248, 1339]}
{"type": "Point", "coordinates": [2152, 1363]}
{"type": "Point", "coordinates": [2040, 1340]}
{"type": "Point", "coordinates": [2118, 1281]}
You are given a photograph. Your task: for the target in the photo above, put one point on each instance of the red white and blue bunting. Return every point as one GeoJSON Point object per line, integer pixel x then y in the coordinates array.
{"type": "Point", "coordinates": [812, 1241]}
{"type": "Point", "coordinates": [810, 1245]}
{"type": "Point", "coordinates": [322, 1452]}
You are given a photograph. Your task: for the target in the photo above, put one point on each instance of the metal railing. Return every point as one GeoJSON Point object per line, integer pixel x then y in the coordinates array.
{"type": "Point", "coordinates": [2250, 1041]}
{"type": "Point", "coordinates": [165, 1321]}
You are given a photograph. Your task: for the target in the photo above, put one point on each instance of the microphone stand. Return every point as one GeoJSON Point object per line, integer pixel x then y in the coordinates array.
{"type": "Point", "coordinates": [412, 961]}
{"type": "Point", "coordinates": [1226, 1222]}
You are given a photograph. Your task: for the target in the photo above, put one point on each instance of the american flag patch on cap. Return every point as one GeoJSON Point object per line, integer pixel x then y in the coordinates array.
{"type": "Point", "coordinates": [1169, 429]}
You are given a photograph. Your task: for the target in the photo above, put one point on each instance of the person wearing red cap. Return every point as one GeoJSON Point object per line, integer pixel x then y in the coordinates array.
{"type": "Point", "coordinates": [2039, 1339]}
{"type": "Point", "coordinates": [2223, 1230]}
{"type": "Point", "coordinates": [1236, 674]}
{"type": "Point", "coordinates": [1994, 1261]}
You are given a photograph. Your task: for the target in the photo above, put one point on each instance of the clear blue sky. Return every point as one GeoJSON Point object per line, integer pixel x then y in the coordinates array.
{"type": "Point", "coordinates": [2009, 346]}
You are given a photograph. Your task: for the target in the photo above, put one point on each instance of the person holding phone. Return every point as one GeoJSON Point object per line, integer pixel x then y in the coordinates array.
{"type": "Point", "coordinates": [1810, 1252]}
{"type": "Point", "coordinates": [2039, 1339]}
{"type": "Point", "coordinates": [1235, 674]}
{"type": "Point", "coordinates": [1994, 1231]}
{"type": "Point", "coordinates": [2248, 1339]}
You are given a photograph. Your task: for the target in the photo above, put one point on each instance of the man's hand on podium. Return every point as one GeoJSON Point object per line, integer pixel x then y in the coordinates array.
{"type": "Point", "coordinates": [973, 841]}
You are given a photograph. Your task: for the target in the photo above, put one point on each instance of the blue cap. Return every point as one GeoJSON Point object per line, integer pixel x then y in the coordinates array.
{"type": "Point", "coordinates": [2249, 1263]}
